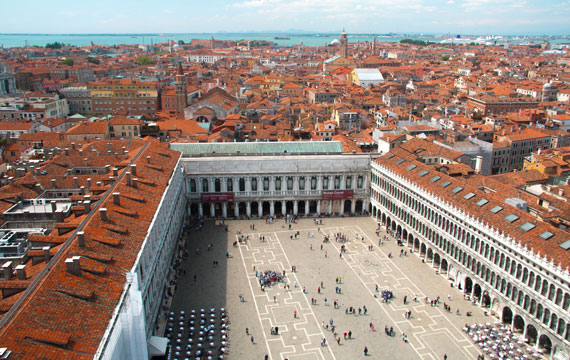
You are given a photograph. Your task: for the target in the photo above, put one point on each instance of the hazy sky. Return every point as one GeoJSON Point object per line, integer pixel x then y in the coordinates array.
{"type": "Point", "coordinates": [358, 16]}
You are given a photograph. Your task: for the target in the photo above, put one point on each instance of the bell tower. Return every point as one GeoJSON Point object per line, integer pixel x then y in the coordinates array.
{"type": "Point", "coordinates": [181, 96]}
{"type": "Point", "coordinates": [343, 44]}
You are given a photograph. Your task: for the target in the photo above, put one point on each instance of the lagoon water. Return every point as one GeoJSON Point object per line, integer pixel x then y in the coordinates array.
{"type": "Point", "coordinates": [19, 40]}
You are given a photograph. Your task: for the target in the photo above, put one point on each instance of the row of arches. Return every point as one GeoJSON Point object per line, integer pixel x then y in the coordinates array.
{"type": "Point", "coordinates": [478, 247]}
{"type": "Point", "coordinates": [484, 274]}
{"type": "Point", "coordinates": [264, 208]}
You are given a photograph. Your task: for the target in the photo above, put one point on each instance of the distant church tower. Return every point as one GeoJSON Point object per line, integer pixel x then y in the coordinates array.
{"type": "Point", "coordinates": [343, 44]}
{"type": "Point", "coordinates": [181, 96]}
{"type": "Point", "coordinates": [374, 46]}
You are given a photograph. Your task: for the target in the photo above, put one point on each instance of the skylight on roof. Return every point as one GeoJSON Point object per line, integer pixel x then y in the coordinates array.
{"type": "Point", "coordinates": [457, 189]}
{"type": "Point", "coordinates": [496, 209]}
{"type": "Point", "coordinates": [512, 217]}
{"type": "Point", "coordinates": [527, 226]}
{"type": "Point", "coordinates": [546, 235]}
{"type": "Point", "coordinates": [469, 196]}
{"type": "Point", "coordinates": [390, 155]}
{"type": "Point", "coordinates": [482, 202]}
{"type": "Point", "coordinates": [423, 173]}
{"type": "Point", "coordinates": [445, 184]}
{"type": "Point", "coordinates": [565, 245]}
{"type": "Point", "coordinates": [435, 178]}
{"type": "Point", "coordinates": [400, 161]}
{"type": "Point", "coordinates": [411, 167]}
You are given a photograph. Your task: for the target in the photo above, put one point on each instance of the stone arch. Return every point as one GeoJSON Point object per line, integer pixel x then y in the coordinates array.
{"type": "Point", "coordinates": [545, 344]}
{"type": "Point", "coordinates": [518, 324]}
{"type": "Point", "coordinates": [531, 334]}
{"type": "Point", "coordinates": [444, 265]}
{"type": "Point", "coordinates": [495, 306]}
{"type": "Point", "coordinates": [507, 315]}
{"type": "Point", "coordinates": [485, 299]}
{"type": "Point", "coordinates": [468, 285]}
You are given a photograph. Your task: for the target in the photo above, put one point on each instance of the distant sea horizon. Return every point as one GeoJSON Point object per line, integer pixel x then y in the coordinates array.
{"type": "Point", "coordinates": [280, 38]}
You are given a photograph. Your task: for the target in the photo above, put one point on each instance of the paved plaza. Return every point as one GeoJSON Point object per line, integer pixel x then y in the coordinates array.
{"type": "Point", "coordinates": [431, 331]}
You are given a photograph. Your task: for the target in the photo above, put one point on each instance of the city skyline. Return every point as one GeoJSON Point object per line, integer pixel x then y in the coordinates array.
{"type": "Point", "coordinates": [416, 16]}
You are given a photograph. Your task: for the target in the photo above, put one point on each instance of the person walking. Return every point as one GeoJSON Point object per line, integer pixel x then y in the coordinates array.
{"type": "Point", "coordinates": [247, 331]}
{"type": "Point", "coordinates": [365, 351]}
{"type": "Point", "coordinates": [252, 340]}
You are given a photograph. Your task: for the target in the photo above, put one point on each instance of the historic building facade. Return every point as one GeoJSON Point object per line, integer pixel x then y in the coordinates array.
{"type": "Point", "coordinates": [499, 255]}
{"type": "Point", "coordinates": [262, 185]}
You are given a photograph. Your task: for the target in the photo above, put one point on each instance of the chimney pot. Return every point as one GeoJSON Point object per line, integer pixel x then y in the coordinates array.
{"type": "Point", "coordinates": [73, 145]}
{"type": "Point", "coordinates": [129, 178]}
{"type": "Point", "coordinates": [134, 169]}
{"type": "Point", "coordinates": [103, 212]}
{"type": "Point", "coordinates": [126, 152]}
{"type": "Point", "coordinates": [115, 172]}
{"type": "Point", "coordinates": [21, 272]}
{"type": "Point", "coordinates": [87, 205]}
{"type": "Point", "coordinates": [88, 183]}
{"type": "Point", "coordinates": [53, 206]}
{"type": "Point", "coordinates": [107, 169]}
{"type": "Point", "coordinates": [117, 198]}
{"type": "Point", "coordinates": [135, 183]}
{"type": "Point", "coordinates": [81, 239]}
{"type": "Point", "coordinates": [75, 182]}
{"type": "Point", "coordinates": [7, 270]}
{"type": "Point", "coordinates": [46, 253]}
{"type": "Point", "coordinates": [86, 162]}
{"type": "Point", "coordinates": [54, 183]}
{"type": "Point", "coordinates": [73, 266]}
{"type": "Point", "coordinates": [11, 180]}
{"type": "Point", "coordinates": [67, 151]}
{"type": "Point", "coordinates": [148, 159]}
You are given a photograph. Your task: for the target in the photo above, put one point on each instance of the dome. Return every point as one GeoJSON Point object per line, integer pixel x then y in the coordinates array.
{"type": "Point", "coordinates": [335, 41]}
{"type": "Point", "coordinates": [547, 85]}
{"type": "Point", "coordinates": [176, 46]}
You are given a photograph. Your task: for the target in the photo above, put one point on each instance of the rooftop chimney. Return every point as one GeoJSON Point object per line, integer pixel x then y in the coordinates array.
{"type": "Point", "coordinates": [107, 169]}
{"type": "Point", "coordinates": [126, 154]}
{"type": "Point", "coordinates": [109, 147]}
{"type": "Point", "coordinates": [73, 145]}
{"type": "Point", "coordinates": [75, 182]}
{"type": "Point", "coordinates": [82, 190]}
{"type": "Point", "coordinates": [88, 183]}
{"type": "Point", "coordinates": [46, 253]}
{"type": "Point", "coordinates": [80, 152]}
{"type": "Point", "coordinates": [73, 266]}
{"type": "Point", "coordinates": [7, 270]}
{"type": "Point", "coordinates": [115, 171]}
{"type": "Point", "coordinates": [128, 178]}
{"type": "Point", "coordinates": [148, 159]}
{"type": "Point", "coordinates": [85, 162]}
{"type": "Point", "coordinates": [117, 198]}
{"type": "Point", "coordinates": [103, 212]}
{"type": "Point", "coordinates": [81, 239]}
{"type": "Point", "coordinates": [135, 182]}
{"type": "Point", "coordinates": [21, 272]}
{"type": "Point", "coordinates": [11, 180]}
{"type": "Point", "coordinates": [53, 183]}
{"type": "Point", "coordinates": [134, 169]}
{"type": "Point", "coordinates": [67, 151]}
{"type": "Point", "coordinates": [53, 206]}
{"type": "Point", "coordinates": [87, 206]}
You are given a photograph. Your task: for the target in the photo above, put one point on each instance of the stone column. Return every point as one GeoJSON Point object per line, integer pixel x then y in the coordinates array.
{"type": "Point", "coordinates": [330, 207]}
{"type": "Point", "coordinates": [201, 209]}
{"type": "Point", "coordinates": [272, 208]}
{"type": "Point", "coordinates": [248, 208]}
{"type": "Point", "coordinates": [353, 206]}
{"type": "Point", "coordinates": [365, 203]}
{"type": "Point", "coordinates": [284, 207]}
{"type": "Point", "coordinates": [236, 209]}
{"type": "Point", "coordinates": [212, 209]}
{"type": "Point", "coordinates": [225, 210]}
{"type": "Point", "coordinates": [342, 206]}
{"type": "Point", "coordinates": [295, 183]}
{"type": "Point", "coordinates": [272, 183]}
{"type": "Point", "coordinates": [248, 184]}
{"type": "Point", "coordinates": [260, 208]}
{"type": "Point", "coordinates": [320, 182]}
{"type": "Point", "coordinates": [295, 207]}
{"type": "Point", "coordinates": [307, 204]}
{"type": "Point", "coordinates": [319, 207]}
